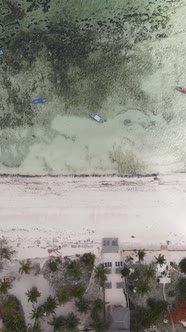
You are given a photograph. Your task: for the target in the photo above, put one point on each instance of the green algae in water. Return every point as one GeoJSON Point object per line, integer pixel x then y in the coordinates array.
{"type": "Point", "coordinates": [78, 54]}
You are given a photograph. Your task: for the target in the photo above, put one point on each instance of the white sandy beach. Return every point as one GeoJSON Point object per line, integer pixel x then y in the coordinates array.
{"type": "Point", "coordinates": [76, 213]}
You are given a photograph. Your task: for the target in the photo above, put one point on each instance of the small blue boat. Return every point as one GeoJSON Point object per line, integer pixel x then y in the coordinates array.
{"type": "Point", "coordinates": [39, 100]}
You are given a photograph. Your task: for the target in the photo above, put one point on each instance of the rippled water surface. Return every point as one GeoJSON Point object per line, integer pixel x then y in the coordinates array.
{"type": "Point", "coordinates": [119, 59]}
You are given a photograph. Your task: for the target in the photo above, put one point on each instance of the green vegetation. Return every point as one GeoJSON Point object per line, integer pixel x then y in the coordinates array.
{"type": "Point", "coordinates": [50, 305]}
{"type": "Point", "coordinates": [6, 251]}
{"type": "Point", "coordinates": [97, 315]}
{"type": "Point", "coordinates": [142, 287]}
{"type": "Point", "coordinates": [5, 285]}
{"type": "Point", "coordinates": [125, 271]}
{"type": "Point", "coordinates": [100, 274]}
{"type": "Point", "coordinates": [88, 259]}
{"type": "Point", "coordinates": [140, 254]}
{"type": "Point", "coordinates": [37, 313]}
{"type": "Point", "coordinates": [53, 264]}
{"type": "Point", "coordinates": [158, 307]}
{"type": "Point", "coordinates": [82, 305]}
{"type": "Point", "coordinates": [78, 291]}
{"type": "Point", "coordinates": [33, 294]}
{"type": "Point", "coordinates": [73, 269]}
{"type": "Point", "coordinates": [171, 293]}
{"type": "Point", "coordinates": [149, 272]}
{"type": "Point", "coordinates": [144, 317]}
{"type": "Point", "coordinates": [25, 266]}
{"type": "Point", "coordinates": [182, 265]}
{"type": "Point", "coordinates": [99, 325]}
{"type": "Point", "coordinates": [97, 308]}
{"type": "Point", "coordinates": [35, 328]}
{"type": "Point", "coordinates": [142, 277]}
{"type": "Point", "coordinates": [64, 295]}
{"type": "Point", "coordinates": [65, 324]}
{"type": "Point", "coordinates": [182, 286]}
{"type": "Point", "coordinates": [12, 315]}
{"type": "Point", "coordinates": [160, 260]}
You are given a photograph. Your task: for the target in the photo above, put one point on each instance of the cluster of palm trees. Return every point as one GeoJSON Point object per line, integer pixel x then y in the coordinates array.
{"type": "Point", "coordinates": [67, 323]}
{"type": "Point", "coordinates": [160, 259]}
{"type": "Point", "coordinates": [145, 274]}
{"type": "Point", "coordinates": [63, 295]}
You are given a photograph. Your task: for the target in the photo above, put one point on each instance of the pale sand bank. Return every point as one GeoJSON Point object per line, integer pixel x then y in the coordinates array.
{"type": "Point", "coordinates": [76, 213]}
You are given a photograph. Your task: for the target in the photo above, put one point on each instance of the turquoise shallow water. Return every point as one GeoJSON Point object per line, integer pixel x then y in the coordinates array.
{"type": "Point", "coordinates": [119, 59]}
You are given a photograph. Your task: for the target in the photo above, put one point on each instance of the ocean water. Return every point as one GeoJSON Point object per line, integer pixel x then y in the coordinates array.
{"type": "Point", "coordinates": [119, 59]}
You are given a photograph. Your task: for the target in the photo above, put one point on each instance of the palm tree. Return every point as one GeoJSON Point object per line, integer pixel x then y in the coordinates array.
{"type": "Point", "coordinates": [160, 260]}
{"type": "Point", "coordinates": [82, 305]}
{"type": "Point", "coordinates": [53, 266]}
{"type": "Point", "coordinates": [140, 254]}
{"type": "Point", "coordinates": [37, 313]}
{"type": "Point", "coordinates": [58, 323]}
{"type": "Point", "coordinates": [78, 291]}
{"type": "Point", "coordinates": [142, 287]}
{"type": "Point", "coordinates": [71, 322]}
{"type": "Point", "coordinates": [5, 286]}
{"type": "Point", "coordinates": [50, 305]}
{"type": "Point", "coordinates": [88, 259]}
{"type": "Point", "coordinates": [100, 274]}
{"type": "Point", "coordinates": [6, 250]}
{"type": "Point", "coordinates": [125, 271]}
{"type": "Point", "coordinates": [99, 325]}
{"type": "Point", "coordinates": [25, 266]}
{"type": "Point", "coordinates": [98, 306]}
{"type": "Point", "coordinates": [150, 272]}
{"type": "Point", "coordinates": [33, 294]}
{"type": "Point", "coordinates": [63, 295]}
{"type": "Point", "coordinates": [73, 270]}
{"type": "Point", "coordinates": [35, 328]}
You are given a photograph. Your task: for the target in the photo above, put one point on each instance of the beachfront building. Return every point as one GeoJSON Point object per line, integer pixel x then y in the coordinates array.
{"type": "Point", "coordinates": [116, 298]}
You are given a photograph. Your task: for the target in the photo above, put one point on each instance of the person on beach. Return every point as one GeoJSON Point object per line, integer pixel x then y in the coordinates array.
{"type": "Point", "coordinates": [55, 250]}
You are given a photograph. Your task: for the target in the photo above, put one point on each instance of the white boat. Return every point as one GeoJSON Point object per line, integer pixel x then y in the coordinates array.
{"type": "Point", "coordinates": [97, 118]}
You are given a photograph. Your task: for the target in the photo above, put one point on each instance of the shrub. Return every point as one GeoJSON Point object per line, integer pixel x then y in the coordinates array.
{"type": "Point", "coordinates": [158, 307]}
{"type": "Point", "coordinates": [88, 259]}
{"type": "Point", "coordinates": [5, 285]}
{"type": "Point", "coordinates": [142, 318]}
{"type": "Point", "coordinates": [149, 272]}
{"type": "Point", "coordinates": [82, 305]}
{"type": "Point", "coordinates": [97, 308]}
{"type": "Point", "coordinates": [100, 274]}
{"type": "Point", "coordinates": [73, 269]}
{"type": "Point", "coordinates": [53, 266]}
{"type": "Point", "coordinates": [125, 271]}
{"type": "Point", "coordinates": [179, 313]}
{"type": "Point", "coordinates": [182, 286]}
{"type": "Point", "coordinates": [142, 287]}
{"type": "Point", "coordinates": [6, 251]}
{"type": "Point", "coordinates": [12, 315]}
{"type": "Point", "coordinates": [171, 293]}
{"type": "Point", "coordinates": [63, 295]}
{"type": "Point", "coordinates": [78, 291]}
{"type": "Point", "coordinates": [182, 265]}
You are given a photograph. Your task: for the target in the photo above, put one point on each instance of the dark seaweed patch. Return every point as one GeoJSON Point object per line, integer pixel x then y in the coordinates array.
{"type": "Point", "coordinates": [35, 4]}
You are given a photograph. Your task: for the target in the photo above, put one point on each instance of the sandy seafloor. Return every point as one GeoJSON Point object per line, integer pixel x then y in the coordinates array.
{"type": "Point", "coordinates": [118, 59]}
